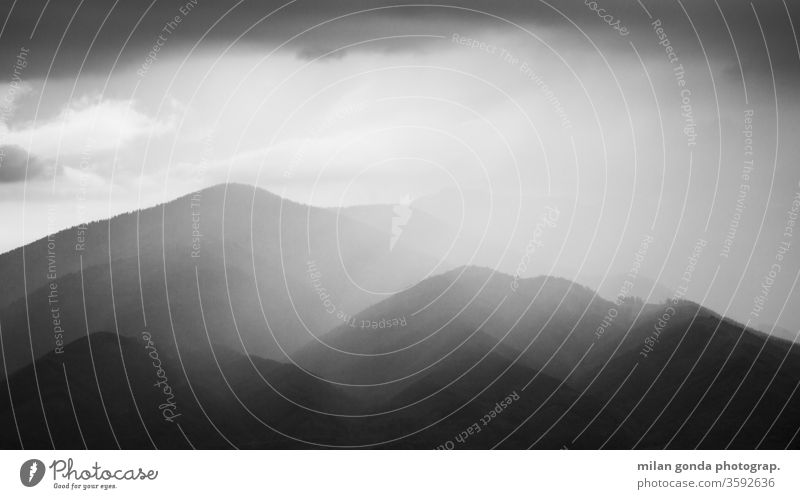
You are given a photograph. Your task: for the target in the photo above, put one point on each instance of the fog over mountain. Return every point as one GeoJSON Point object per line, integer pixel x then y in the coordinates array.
{"type": "Point", "coordinates": [430, 348]}
{"type": "Point", "coordinates": [375, 224]}
{"type": "Point", "coordinates": [269, 274]}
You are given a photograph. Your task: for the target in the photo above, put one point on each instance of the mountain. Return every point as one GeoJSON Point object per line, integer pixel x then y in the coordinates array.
{"type": "Point", "coordinates": [547, 323]}
{"type": "Point", "coordinates": [674, 374]}
{"type": "Point", "coordinates": [708, 382]}
{"type": "Point", "coordinates": [279, 325]}
{"type": "Point", "coordinates": [270, 274]}
{"type": "Point", "coordinates": [110, 391]}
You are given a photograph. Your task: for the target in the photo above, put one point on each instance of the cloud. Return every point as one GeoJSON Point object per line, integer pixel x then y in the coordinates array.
{"type": "Point", "coordinates": [13, 163]}
{"type": "Point", "coordinates": [126, 31]}
{"type": "Point", "coordinates": [89, 124]}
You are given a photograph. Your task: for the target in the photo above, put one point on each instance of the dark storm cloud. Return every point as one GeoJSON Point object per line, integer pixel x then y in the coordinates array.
{"type": "Point", "coordinates": [13, 163]}
{"type": "Point", "coordinates": [129, 29]}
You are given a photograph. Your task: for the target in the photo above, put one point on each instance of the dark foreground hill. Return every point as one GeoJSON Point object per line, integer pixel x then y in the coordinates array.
{"type": "Point", "coordinates": [706, 382]}
{"type": "Point", "coordinates": [676, 374]}
{"type": "Point", "coordinates": [109, 391]}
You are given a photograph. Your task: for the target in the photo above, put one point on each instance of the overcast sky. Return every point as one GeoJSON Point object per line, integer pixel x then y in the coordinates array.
{"type": "Point", "coordinates": [354, 102]}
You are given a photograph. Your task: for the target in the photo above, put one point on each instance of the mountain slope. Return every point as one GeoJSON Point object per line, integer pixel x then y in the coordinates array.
{"type": "Point", "coordinates": [261, 266]}
{"type": "Point", "coordinates": [705, 380]}
{"type": "Point", "coordinates": [553, 319]}
{"type": "Point", "coordinates": [118, 397]}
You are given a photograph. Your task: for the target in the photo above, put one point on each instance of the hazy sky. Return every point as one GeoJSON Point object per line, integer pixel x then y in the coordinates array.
{"type": "Point", "coordinates": [630, 116]}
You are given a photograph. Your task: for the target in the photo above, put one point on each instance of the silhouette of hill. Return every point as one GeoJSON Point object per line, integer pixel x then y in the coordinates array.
{"type": "Point", "coordinates": [112, 399]}
{"type": "Point", "coordinates": [270, 274]}
{"type": "Point", "coordinates": [282, 326]}
{"type": "Point", "coordinates": [549, 325]}
{"type": "Point", "coordinates": [104, 392]}
{"type": "Point", "coordinates": [551, 319]}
